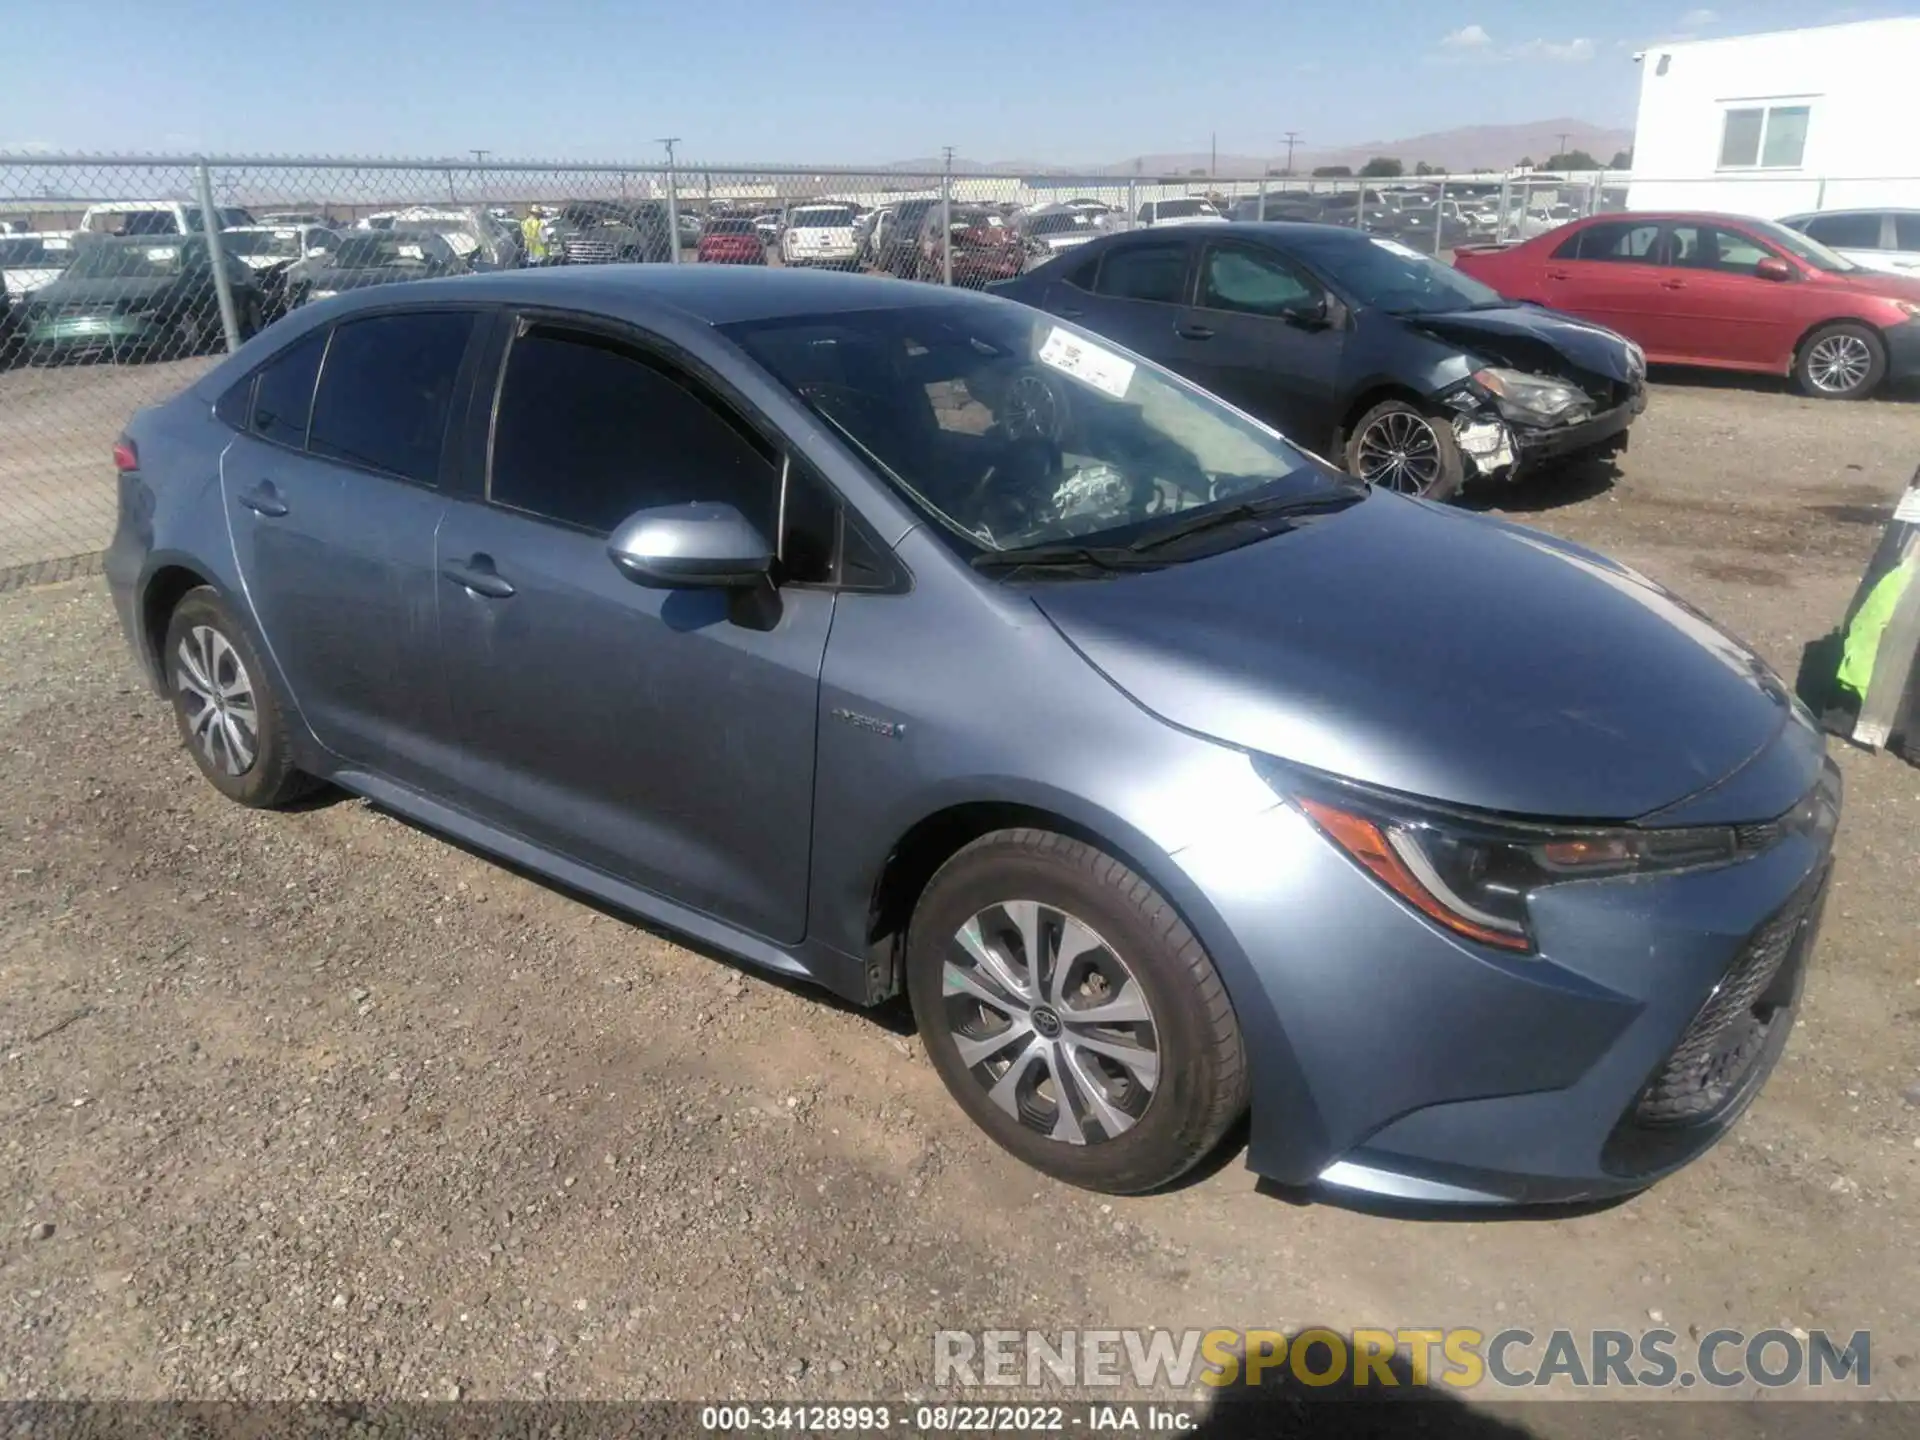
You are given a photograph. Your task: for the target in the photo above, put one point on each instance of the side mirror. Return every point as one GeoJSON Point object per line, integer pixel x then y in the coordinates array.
{"type": "Point", "coordinates": [1772, 267]}
{"type": "Point", "coordinates": [699, 545]}
{"type": "Point", "coordinates": [1316, 316]}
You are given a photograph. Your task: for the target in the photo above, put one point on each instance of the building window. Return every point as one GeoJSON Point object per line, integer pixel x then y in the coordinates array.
{"type": "Point", "coordinates": [1766, 137]}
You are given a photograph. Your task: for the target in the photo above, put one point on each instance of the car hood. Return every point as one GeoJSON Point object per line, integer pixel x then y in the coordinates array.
{"type": "Point", "coordinates": [1528, 337]}
{"type": "Point", "coordinates": [103, 292]}
{"type": "Point", "coordinates": [1877, 282]}
{"type": "Point", "coordinates": [1439, 654]}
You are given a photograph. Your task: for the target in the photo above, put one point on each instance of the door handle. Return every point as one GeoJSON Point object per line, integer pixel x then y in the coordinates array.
{"type": "Point", "coordinates": [1070, 314]}
{"type": "Point", "coordinates": [1559, 274]}
{"type": "Point", "coordinates": [1193, 332]}
{"type": "Point", "coordinates": [479, 577]}
{"type": "Point", "coordinates": [1673, 284]}
{"type": "Point", "coordinates": [263, 499]}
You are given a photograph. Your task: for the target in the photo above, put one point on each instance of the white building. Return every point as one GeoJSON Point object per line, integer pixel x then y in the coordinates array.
{"type": "Point", "coordinates": [1817, 119]}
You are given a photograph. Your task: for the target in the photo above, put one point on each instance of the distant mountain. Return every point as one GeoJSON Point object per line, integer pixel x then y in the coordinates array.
{"type": "Point", "coordinates": [1469, 147]}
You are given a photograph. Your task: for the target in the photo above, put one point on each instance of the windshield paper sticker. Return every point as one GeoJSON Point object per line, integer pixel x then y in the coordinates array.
{"type": "Point", "coordinates": [1087, 362]}
{"type": "Point", "coordinates": [1394, 247]}
{"type": "Point", "coordinates": [162, 253]}
{"type": "Point", "coordinates": [408, 252]}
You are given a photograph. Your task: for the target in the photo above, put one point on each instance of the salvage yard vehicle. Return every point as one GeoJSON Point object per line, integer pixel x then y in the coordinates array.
{"type": "Point", "coordinates": [1876, 239]}
{"type": "Point", "coordinates": [1357, 346]}
{"type": "Point", "coordinates": [156, 217]}
{"type": "Point", "coordinates": [727, 241]}
{"type": "Point", "coordinates": [601, 232]}
{"type": "Point", "coordinates": [272, 252]}
{"type": "Point", "coordinates": [137, 297]}
{"type": "Point", "coordinates": [30, 260]}
{"type": "Point", "coordinates": [374, 257]}
{"type": "Point", "coordinates": [981, 247]}
{"type": "Point", "coordinates": [1725, 292]}
{"type": "Point", "coordinates": [819, 235]}
{"type": "Point", "coordinates": [1183, 211]}
{"type": "Point", "coordinates": [701, 590]}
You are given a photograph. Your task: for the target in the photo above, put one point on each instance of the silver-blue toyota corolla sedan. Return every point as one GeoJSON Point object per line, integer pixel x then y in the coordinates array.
{"type": "Point", "coordinates": [908, 640]}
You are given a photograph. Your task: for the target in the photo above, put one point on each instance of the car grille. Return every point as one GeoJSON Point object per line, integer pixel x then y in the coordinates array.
{"type": "Point", "coordinates": [1705, 1070]}
{"type": "Point", "coordinates": [589, 252]}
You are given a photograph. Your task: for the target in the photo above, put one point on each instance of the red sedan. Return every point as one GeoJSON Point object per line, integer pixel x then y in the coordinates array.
{"type": "Point", "coordinates": [731, 242]}
{"type": "Point", "coordinates": [1724, 291]}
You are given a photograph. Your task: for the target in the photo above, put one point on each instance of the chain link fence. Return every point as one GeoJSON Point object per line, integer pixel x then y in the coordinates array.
{"type": "Point", "coordinates": [126, 278]}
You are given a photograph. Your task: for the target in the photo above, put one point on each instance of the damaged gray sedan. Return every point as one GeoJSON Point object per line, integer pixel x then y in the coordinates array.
{"type": "Point", "coordinates": [1414, 376]}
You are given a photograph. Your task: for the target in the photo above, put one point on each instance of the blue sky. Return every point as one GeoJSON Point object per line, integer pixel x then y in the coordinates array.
{"type": "Point", "coordinates": [793, 81]}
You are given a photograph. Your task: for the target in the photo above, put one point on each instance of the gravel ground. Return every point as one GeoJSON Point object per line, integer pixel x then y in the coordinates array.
{"type": "Point", "coordinates": [318, 1105]}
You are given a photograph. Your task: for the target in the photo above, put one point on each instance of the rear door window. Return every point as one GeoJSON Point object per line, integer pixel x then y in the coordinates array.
{"type": "Point", "coordinates": [1156, 273]}
{"type": "Point", "coordinates": [387, 390]}
{"type": "Point", "coordinates": [1624, 241]}
{"type": "Point", "coordinates": [283, 395]}
{"type": "Point", "coordinates": [1906, 231]}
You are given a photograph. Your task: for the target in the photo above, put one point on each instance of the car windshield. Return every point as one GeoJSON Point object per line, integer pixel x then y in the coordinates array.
{"type": "Point", "coordinates": [825, 217]}
{"type": "Point", "coordinates": [1803, 246]}
{"type": "Point", "coordinates": [123, 260]}
{"type": "Point", "coordinates": [384, 252]}
{"type": "Point", "coordinates": [1389, 276]}
{"type": "Point", "coordinates": [1014, 429]}
{"type": "Point", "coordinates": [1065, 222]}
{"type": "Point", "coordinates": [1176, 208]}
{"type": "Point", "coordinates": [277, 244]}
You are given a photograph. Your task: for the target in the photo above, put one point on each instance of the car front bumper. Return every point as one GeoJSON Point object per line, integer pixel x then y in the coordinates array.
{"type": "Point", "coordinates": [1395, 1060]}
{"type": "Point", "coordinates": [72, 333]}
{"type": "Point", "coordinates": [1903, 352]}
{"type": "Point", "coordinates": [1496, 448]}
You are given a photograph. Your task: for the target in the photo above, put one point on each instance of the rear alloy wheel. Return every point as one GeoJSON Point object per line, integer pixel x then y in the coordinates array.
{"type": "Point", "coordinates": [229, 716]}
{"type": "Point", "coordinates": [1396, 446]}
{"type": "Point", "coordinates": [1841, 362]}
{"type": "Point", "coordinates": [1072, 1014]}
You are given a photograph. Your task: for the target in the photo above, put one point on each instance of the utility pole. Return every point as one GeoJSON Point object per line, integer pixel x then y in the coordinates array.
{"type": "Point", "coordinates": [1563, 144]}
{"type": "Point", "coordinates": [479, 181]}
{"type": "Point", "coordinates": [480, 156]}
{"type": "Point", "coordinates": [673, 203]}
{"type": "Point", "coordinates": [1213, 154]}
{"type": "Point", "coordinates": [1293, 139]}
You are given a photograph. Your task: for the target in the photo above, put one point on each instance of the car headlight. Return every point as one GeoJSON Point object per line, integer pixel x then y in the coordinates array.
{"type": "Point", "coordinates": [1475, 875]}
{"type": "Point", "coordinates": [1636, 359]}
{"type": "Point", "coordinates": [1531, 395]}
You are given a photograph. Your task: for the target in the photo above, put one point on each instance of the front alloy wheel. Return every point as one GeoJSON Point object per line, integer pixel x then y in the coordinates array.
{"type": "Point", "coordinates": [1072, 1013]}
{"type": "Point", "coordinates": [1051, 1022]}
{"type": "Point", "coordinates": [1841, 362]}
{"type": "Point", "coordinates": [1396, 446]}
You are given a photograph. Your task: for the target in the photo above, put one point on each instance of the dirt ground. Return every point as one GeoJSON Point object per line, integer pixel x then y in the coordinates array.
{"type": "Point", "coordinates": [319, 1105]}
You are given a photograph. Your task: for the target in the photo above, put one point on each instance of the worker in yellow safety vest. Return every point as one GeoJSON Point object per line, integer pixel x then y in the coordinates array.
{"type": "Point", "coordinates": [534, 233]}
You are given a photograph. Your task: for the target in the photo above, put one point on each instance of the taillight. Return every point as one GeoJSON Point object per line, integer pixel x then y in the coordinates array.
{"type": "Point", "coordinates": [126, 456]}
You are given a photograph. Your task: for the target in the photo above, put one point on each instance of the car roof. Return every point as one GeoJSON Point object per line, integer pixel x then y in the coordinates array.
{"type": "Point", "coordinates": [711, 294]}
{"type": "Point", "coordinates": [1852, 210]}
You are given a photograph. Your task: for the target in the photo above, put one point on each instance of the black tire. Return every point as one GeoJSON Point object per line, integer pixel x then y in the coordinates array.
{"type": "Point", "coordinates": [1201, 1085]}
{"type": "Point", "coordinates": [1842, 361]}
{"type": "Point", "coordinates": [267, 778]}
{"type": "Point", "coordinates": [1391, 418]}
